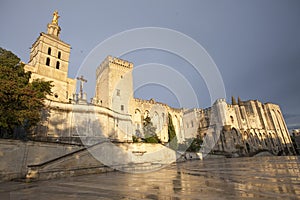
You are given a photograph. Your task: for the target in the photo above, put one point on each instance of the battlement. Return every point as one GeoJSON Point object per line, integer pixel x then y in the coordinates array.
{"type": "Point", "coordinates": [120, 62]}
{"type": "Point", "coordinates": [151, 101]}
{"type": "Point", "coordinates": [187, 111]}
{"type": "Point", "coordinates": [110, 61]}
{"type": "Point", "coordinates": [221, 100]}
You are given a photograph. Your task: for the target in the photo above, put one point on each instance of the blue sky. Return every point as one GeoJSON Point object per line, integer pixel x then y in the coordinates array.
{"type": "Point", "coordinates": [255, 44]}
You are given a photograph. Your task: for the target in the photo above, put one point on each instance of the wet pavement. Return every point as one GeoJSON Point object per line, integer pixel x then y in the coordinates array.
{"type": "Point", "coordinates": [234, 178]}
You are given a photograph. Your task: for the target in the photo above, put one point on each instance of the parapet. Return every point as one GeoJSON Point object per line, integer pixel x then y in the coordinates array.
{"type": "Point", "coordinates": [221, 100]}
{"type": "Point", "coordinates": [114, 61]}
{"type": "Point", "coordinates": [120, 62]}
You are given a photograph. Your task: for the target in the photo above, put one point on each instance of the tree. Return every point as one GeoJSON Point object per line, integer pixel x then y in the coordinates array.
{"type": "Point", "coordinates": [173, 143]}
{"type": "Point", "coordinates": [21, 101]}
{"type": "Point", "coordinates": [149, 131]}
{"type": "Point", "coordinates": [195, 144]}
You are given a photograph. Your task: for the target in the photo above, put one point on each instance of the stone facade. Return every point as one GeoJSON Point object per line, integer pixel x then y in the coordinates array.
{"type": "Point", "coordinates": [83, 123]}
{"type": "Point", "coordinates": [244, 127]}
{"type": "Point", "coordinates": [16, 155]}
{"type": "Point", "coordinates": [114, 90]}
{"type": "Point", "coordinates": [296, 136]}
{"type": "Point", "coordinates": [114, 84]}
{"type": "Point", "coordinates": [158, 112]}
{"type": "Point", "coordinates": [49, 61]}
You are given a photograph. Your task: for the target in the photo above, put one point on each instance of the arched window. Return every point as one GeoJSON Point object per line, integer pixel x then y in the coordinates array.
{"type": "Point", "coordinates": [57, 65]}
{"type": "Point", "coordinates": [48, 61]}
{"type": "Point", "coordinates": [49, 51]}
{"type": "Point", "coordinates": [59, 55]}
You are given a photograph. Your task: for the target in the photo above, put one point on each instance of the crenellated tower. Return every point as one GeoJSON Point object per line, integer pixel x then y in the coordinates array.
{"type": "Point", "coordinates": [114, 88]}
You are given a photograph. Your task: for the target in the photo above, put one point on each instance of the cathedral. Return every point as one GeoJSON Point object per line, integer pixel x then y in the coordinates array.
{"type": "Point", "coordinates": [243, 127]}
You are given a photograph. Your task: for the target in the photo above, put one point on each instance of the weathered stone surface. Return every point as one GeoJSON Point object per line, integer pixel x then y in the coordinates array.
{"type": "Point", "coordinates": [242, 128]}
{"type": "Point", "coordinates": [257, 178]}
{"type": "Point", "coordinates": [16, 155]}
{"type": "Point", "coordinates": [49, 60]}
{"type": "Point", "coordinates": [39, 160]}
{"type": "Point", "coordinates": [103, 157]}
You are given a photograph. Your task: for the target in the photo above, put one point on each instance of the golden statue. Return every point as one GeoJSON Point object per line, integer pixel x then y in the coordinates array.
{"type": "Point", "coordinates": [55, 17]}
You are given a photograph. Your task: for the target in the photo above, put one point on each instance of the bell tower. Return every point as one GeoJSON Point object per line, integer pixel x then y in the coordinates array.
{"type": "Point", "coordinates": [53, 28]}
{"type": "Point", "coordinates": [49, 60]}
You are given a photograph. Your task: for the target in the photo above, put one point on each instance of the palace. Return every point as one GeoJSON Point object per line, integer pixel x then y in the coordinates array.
{"type": "Point", "coordinates": [242, 127]}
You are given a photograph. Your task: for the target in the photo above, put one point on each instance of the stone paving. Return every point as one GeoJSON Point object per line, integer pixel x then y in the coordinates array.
{"type": "Point", "coordinates": [235, 178]}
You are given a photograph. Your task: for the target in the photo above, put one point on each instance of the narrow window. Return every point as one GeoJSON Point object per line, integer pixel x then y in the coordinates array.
{"type": "Point", "coordinates": [48, 61]}
{"type": "Point", "coordinates": [49, 51]}
{"type": "Point", "coordinates": [59, 55]}
{"type": "Point", "coordinates": [122, 107]}
{"type": "Point", "coordinates": [118, 92]}
{"type": "Point", "coordinates": [232, 120]}
{"type": "Point", "coordinates": [57, 65]}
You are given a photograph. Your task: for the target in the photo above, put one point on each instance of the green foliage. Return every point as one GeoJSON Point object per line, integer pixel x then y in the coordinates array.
{"type": "Point", "coordinates": [7, 58]}
{"type": "Point", "coordinates": [135, 139]}
{"type": "Point", "coordinates": [20, 101]}
{"type": "Point", "coordinates": [149, 131]}
{"type": "Point", "coordinates": [195, 145]}
{"type": "Point", "coordinates": [191, 144]}
{"type": "Point", "coordinates": [173, 143]}
{"type": "Point", "coordinates": [152, 139]}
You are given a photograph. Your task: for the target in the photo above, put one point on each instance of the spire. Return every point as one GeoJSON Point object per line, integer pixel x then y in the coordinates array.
{"type": "Point", "coordinates": [53, 28]}
{"type": "Point", "coordinates": [240, 102]}
{"type": "Point", "coordinates": [233, 101]}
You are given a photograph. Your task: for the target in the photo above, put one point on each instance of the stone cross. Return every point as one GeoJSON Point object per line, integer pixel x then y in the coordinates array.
{"type": "Point", "coordinates": [82, 80]}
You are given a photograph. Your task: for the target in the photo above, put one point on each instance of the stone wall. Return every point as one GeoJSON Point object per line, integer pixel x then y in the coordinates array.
{"type": "Point", "coordinates": [243, 128]}
{"type": "Point", "coordinates": [83, 121]}
{"type": "Point", "coordinates": [39, 160]}
{"type": "Point", "coordinates": [103, 157]}
{"type": "Point", "coordinates": [158, 112]}
{"type": "Point", "coordinates": [16, 155]}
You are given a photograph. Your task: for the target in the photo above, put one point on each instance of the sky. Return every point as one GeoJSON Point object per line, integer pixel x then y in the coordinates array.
{"type": "Point", "coordinates": [254, 45]}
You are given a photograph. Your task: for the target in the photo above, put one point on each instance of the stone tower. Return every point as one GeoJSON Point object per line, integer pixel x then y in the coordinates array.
{"type": "Point", "coordinates": [49, 60]}
{"type": "Point", "coordinates": [114, 88]}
